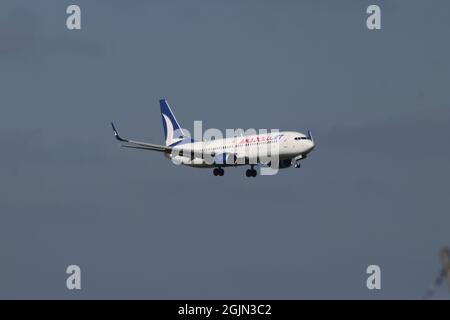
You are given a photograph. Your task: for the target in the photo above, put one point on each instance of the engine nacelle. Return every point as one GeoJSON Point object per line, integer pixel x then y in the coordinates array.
{"type": "Point", "coordinates": [283, 164]}
{"type": "Point", "coordinates": [225, 158]}
{"type": "Point", "coordinates": [286, 163]}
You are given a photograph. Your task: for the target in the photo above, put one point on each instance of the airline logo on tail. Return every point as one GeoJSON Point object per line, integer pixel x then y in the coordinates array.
{"type": "Point", "coordinates": [172, 130]}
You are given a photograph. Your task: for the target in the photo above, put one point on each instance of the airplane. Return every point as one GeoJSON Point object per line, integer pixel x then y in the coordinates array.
{"type": "Point", "coordinates": [292, 147]}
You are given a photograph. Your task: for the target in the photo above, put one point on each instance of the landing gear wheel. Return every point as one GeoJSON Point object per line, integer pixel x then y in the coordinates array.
{"type": "Point", "coordinates": [221, 172]}
{"type": "Point", "coordinates": [251, 173]}
{"type": "Point", "coordinates": [297, 164]}
{"type": "Point", "coordinates": [216, 172]}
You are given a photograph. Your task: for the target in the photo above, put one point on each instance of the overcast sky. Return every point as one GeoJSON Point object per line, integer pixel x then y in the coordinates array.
{"type": "Point", "coordinates": [375, 190]}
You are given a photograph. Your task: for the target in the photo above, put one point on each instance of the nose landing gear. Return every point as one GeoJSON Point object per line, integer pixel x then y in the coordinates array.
{"type": "Point", "coordinates": [297, 164]}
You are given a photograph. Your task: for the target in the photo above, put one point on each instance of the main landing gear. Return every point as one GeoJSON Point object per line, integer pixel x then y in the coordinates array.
{"type": "Point", "coordinates": [218, 172]}
{"type": "Point", "coordinates": [251, 172]}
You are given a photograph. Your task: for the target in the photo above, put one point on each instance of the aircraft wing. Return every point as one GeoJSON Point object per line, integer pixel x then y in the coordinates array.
{"type": "Point", "coordinates": [140, 145]}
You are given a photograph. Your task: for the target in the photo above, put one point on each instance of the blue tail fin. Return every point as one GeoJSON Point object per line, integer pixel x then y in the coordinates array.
{"type": "Point", "coordinates": [173, 132]}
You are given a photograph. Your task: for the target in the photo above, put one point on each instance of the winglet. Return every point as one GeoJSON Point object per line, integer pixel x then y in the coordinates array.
{"type": "Point", "coordinates": [116, 134]}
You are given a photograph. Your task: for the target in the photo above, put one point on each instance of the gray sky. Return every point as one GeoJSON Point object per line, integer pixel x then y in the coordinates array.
{"type": "Point", "coordinates": [375, 190]}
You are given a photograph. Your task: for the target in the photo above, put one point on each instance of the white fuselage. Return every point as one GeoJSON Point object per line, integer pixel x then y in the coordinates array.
{"type": "Point", "coordinates": [241, 150]}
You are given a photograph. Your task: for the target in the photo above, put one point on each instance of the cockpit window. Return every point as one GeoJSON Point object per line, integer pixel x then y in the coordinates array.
{"type": "Point", "coordinates": [301, 138]}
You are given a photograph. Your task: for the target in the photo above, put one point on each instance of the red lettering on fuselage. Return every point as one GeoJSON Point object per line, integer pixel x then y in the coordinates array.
{"type": "Point", "coordinates": [256, 139]}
